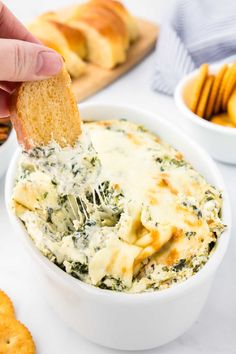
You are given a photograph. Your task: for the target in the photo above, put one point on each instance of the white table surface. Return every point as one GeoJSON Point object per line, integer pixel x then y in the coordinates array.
{"type": "Point", "coordinates": [214, 332]}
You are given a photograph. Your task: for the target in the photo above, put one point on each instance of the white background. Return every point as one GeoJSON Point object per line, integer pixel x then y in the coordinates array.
{"type": "Point", "coordinates": [214, 332]}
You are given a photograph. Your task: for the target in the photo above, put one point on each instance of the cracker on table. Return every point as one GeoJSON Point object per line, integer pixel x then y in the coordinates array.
{"type": "Point", "coordinates": [15, 338]}
{"type": "Point", "coordinates": [214, 91]}
{"type": "Point", "coordinates": [6, 306]}
{"type": "Point", "coordinates": [197, 87]}
{"type": "Point", "coordinates": [202, 105]}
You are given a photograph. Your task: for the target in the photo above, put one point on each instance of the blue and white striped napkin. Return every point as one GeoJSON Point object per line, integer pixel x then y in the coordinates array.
{"type": "Point", "coordinates": [193, 32]}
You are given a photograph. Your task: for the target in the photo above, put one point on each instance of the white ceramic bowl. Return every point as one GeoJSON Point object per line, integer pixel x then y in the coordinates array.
{"type": "Point", "coordinates": [119, 320]}
{"type": "Point", "coordinates": [6, 151]}
{"type": "Point", "coordinates": [219, 141]}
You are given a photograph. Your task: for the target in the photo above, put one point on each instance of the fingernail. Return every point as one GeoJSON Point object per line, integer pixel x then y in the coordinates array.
{"type": "Point", "coordinates": [48, 63]}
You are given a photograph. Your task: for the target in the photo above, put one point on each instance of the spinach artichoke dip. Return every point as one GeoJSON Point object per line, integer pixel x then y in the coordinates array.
{"type": "Point", "coordinates": [121, 210]}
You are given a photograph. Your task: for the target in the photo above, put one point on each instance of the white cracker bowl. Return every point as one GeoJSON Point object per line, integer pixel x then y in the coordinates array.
{"type": "Point", "coordinates": [217, 140]}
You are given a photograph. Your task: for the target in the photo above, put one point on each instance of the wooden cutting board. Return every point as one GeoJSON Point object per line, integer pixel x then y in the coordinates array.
{"type": "Point", "coordinates": [96, 78]}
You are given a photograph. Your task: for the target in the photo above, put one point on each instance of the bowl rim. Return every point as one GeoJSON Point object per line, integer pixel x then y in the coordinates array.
{"type": "Point", "coordinates": [77, 285]}
{"type": "Point", "coordinates": [180, 103]}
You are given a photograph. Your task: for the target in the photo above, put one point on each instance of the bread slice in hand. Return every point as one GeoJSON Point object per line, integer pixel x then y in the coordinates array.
{"type": "Point", "coordinates": [45, 111]}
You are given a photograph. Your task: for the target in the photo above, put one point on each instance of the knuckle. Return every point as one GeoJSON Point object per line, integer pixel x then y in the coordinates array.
{"type": "Point", "coordinates": [19, 62]}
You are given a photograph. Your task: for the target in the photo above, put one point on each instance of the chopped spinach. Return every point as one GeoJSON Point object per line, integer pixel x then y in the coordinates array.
{"type": "Point", "coordinates": [199, 214]}
{"type": "Point", "coordinates": [190, 234]}
{"type": "Point", "coordinates": [54, 182]}
{"type": "Point", "coordinates": [179, 266]}
{"type": "Point", "coordinates": [81, 268]}
{"type": "Point", "coordinates": [45, 194]}
{"type": "Point", "coordinates": [93, 161]}
{"type": "Point", "coordinates": [49, 214]}
{"type": "Point", "coordinates": [142, 129]}
{"type": "Point", "coordinates": [110, 283]}
{"type": "Point", "coordinates": [211, 245]}
{"type": "Point", "coordinates": [62, 199]}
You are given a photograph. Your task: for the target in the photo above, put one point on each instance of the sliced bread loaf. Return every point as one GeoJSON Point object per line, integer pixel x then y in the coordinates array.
{"type": "Point", "coordinates": [105, 32]}
{"type": "Point", "coordinates": [123, 13]}
{"type": "Point", "coordinates": [52, 34]}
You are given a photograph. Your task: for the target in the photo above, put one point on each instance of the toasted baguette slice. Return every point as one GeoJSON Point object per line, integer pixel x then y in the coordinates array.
{"type": "Point", "coordinates": [50, 35]}
{"type": "Point", "coordinates": [106, 34]}
{"type": "Point", "coordinates": [45, 111]}
{"type": "Point", "coordinates": [124, 14]}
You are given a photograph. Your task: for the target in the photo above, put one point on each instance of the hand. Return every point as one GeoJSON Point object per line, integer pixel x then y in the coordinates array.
{"type": "Point", "coordinates": [22, 57]}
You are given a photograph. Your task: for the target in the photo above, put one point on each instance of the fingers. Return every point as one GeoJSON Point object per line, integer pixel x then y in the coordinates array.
{"type": "Point", "coordinates": [10, 27]}
{"type": "Point", "coordinates": [24, 61]}
{"type": "Point", "coordinates": [4, 104]}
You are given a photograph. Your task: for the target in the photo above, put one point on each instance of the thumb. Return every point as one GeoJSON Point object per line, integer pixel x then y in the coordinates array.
{"type": "Point", "coordinates": [25, 61]}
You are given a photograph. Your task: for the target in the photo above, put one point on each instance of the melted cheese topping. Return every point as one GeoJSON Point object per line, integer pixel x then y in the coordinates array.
{"type": "Point", "coordinates": [125, 212]}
